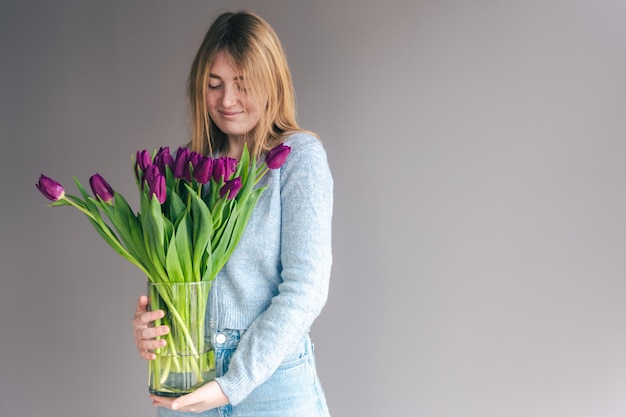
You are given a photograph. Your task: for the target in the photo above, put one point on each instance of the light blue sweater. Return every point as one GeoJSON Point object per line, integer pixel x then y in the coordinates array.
{"type": "Point", "coordinates": [276, 281]}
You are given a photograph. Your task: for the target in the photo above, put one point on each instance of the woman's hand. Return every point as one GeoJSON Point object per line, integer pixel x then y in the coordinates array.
{"type": "Point", "coordinates": [143, 330]}
{"type": "Point", "coordinates": [204, 398]}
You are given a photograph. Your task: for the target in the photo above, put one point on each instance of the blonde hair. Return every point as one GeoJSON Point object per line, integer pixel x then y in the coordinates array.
{"type": "Point", "coordinates": [253, 48]}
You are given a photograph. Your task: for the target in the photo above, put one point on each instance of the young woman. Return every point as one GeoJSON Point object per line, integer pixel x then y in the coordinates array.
{"type": "Point", "coordinates": [275, 284]}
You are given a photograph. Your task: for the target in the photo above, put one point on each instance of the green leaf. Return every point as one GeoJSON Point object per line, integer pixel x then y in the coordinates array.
{"type": "Point", "coordinates": [125, 221]}
{"type": "Point", "coordinates": [168, 230]}
{"type": "Point", "coordinates": [59, 203]}
{"type": "Point", "coordinates": [202, 231]}
{"type": "Point", "coordinates": [248, 185]}
{"type": "Point", "coordinates": [112, 240]}
{"type": "Point", "coordinates": [105, 231]}
{"type": "Point", "coordinates": [77, 201]}
{"type": "Point", "coordinates": [170, 180]}
{"type": "Point", "coordinates": [234, 228]}
{"type": "Point", "coordinates": [159, 229]}
{"type": "Point", "coordinates": [92, 204]}
{"type": "Point", "coordinates": [80, 187]}
{"type": "Point", "coordinates": [153, 230]}
{"type": "Point", "coordinates": [172, 262]}
{"type": "Point", "coordinates": [242, 166]}
{"type": "Point", "coordinates": [225, 240]}
{"type": "Point", "coordinates": [183, 247]}
{"type": "Point", "coordinates": [218, 215]}
{"type": "Point", "coordinates": [175, 205]}
{"type": "Point", "coordinates": [209, 272]}
{"type": "Point", "coordinates": [250, 203]}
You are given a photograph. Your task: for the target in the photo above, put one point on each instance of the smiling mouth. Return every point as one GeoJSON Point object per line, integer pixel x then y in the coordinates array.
{"type": "Point", "coordinates": [230, 114]}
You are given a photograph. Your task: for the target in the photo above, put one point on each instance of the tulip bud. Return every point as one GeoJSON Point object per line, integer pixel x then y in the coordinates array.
{"type": "Point", "coordinates": [218, 169]}
{"type": "Point", "coordinates": [181, 164]}
{"type": "Point", "coordinates": [158, 188]}
{"type": "Point", "coordinates": [231, 167]}
{"type": "Point", "coordinates": [101, 188]}
{"type": "Point", "coordinates": [194, 158]}
{"type": "Point", "coordinates": [164, 159]}
{"type": "Point", "coordinates": [277, 156]}
{"type": "Point", "coordinates": [231, 187]}
{"type": "Point", "coordinates": [149, 174]}
{"type": "Point", "coordinates": [202, 169]}
{"type": "Point", "coordinates": [224, 168]}
{"type": "Point", "coordinates": [51, 189]}
{"type": "Point", "coordinates": [142, 161]}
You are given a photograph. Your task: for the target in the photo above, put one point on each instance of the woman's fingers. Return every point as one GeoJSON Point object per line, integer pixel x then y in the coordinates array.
{"type": "Point", "coordinates": [144, 331]}
{"type": "Point", "coordinates": [149, 333]}
{"type": "Point", "coordinates": [146, 342]}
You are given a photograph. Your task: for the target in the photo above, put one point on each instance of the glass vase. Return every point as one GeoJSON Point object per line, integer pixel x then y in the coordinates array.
{"type": "Point", "coordinates": [187, 361]}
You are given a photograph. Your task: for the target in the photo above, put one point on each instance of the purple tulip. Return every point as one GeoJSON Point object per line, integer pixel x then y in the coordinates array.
{"type": "Point", "coordinates": [181, 164]}
{"type": "Point", "coordinates": [158, 188]}
{"type": "Point", "coordinates": [51, 189]}
{"type": "Point", "coordinates": [101, 188]}
{"type": "Point", "coordinates": [150, 172]}
{"type": "Point", "coordinates": [224, 168]}
{"type": "Point", "coordinates": [231, 187]}
{"type": "Point", "coordinates": [164, 159]}
{"type": "Point", "coordinates": [218, 169]}
{"type": "Point", "coordinates": [202, 169]}
{"type": "Point", "coordinates": [194, 158]}
{"type": "Point", "coordinates": [277, 156]}
{"type": "Point", "coordinates": [142, 161]}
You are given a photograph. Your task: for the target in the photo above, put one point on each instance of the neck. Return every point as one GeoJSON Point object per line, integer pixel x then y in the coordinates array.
{"type": "Point", "coordinates": [233, 147]}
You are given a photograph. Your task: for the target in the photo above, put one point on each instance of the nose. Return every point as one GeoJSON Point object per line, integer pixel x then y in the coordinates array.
{"type": "Point", "coordinates": [230, 96]}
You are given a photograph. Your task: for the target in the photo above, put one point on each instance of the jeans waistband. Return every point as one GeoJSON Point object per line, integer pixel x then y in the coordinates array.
{"type": "Point", "coordinates": [226, 339]}
{"type": "Point", "coordinates": [229, 339]}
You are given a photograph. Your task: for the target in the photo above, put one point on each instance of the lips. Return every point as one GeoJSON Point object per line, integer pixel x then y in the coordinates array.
{"type": "Point", "coordinates": [230, 113]}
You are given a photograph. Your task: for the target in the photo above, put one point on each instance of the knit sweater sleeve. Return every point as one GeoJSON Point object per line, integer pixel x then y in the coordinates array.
{"type": "Point", "coordinates": [306, 200]}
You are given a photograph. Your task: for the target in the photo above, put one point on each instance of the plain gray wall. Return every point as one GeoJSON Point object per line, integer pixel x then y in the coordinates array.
{"type": "Point", "coordinates": [479, 235]}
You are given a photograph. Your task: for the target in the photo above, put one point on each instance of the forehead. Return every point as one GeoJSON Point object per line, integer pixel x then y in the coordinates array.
{"type": "Point", "coordinates": [223, 66]}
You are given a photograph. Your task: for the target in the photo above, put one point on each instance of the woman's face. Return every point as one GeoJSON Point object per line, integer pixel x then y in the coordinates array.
{"type": "Point", "coordinates": [233, 109]}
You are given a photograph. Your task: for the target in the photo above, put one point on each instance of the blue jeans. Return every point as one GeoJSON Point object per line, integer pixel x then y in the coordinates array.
{"type": "Point", "coordinates": [294, 390]}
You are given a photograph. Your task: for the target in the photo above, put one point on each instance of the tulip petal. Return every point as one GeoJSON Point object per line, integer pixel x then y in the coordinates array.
{"type": "Point", "coordinates": [101, 188]}
{"type": "Point", "coordinates": [277, 156]}
{"type": "Point", "coordinates": [50, 188]}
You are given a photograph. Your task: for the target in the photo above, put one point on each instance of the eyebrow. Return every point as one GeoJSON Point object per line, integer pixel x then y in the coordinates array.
{"type": "Point", "coordinates": [211, 75]}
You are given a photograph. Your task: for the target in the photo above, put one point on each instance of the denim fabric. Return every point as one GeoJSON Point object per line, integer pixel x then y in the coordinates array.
{"type": "Point", "coordinates": [294, 390]}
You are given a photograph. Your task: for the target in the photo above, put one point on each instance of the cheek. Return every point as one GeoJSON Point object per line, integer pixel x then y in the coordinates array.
{"type": "Point", "coordinates": [211, 105]}
{"type": "Point", "coordinates": [253, 109]}
{"type": "Point", "coordinates": [253, 118]}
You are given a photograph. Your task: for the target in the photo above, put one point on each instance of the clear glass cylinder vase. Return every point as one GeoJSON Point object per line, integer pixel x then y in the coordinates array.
{"type": "Point", "coordinates": [187, 361]}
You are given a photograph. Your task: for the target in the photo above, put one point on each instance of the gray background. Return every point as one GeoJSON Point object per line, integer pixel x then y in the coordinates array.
{"type": "Point", "coordinates": [479, 234]}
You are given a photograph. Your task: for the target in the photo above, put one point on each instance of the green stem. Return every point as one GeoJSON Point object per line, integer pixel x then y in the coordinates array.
{"type": "Point", "coordinates": [186, 336]}
{"type": "Point", "coordinates": [84, 210]}
{"type": "Point", "coordinates": [260, 174]}
{"type": "Point", "coordinates": [114, 239]}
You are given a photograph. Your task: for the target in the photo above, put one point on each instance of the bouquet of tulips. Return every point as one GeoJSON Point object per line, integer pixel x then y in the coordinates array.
{"type": "Point", "coordinates": [193, 211]}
